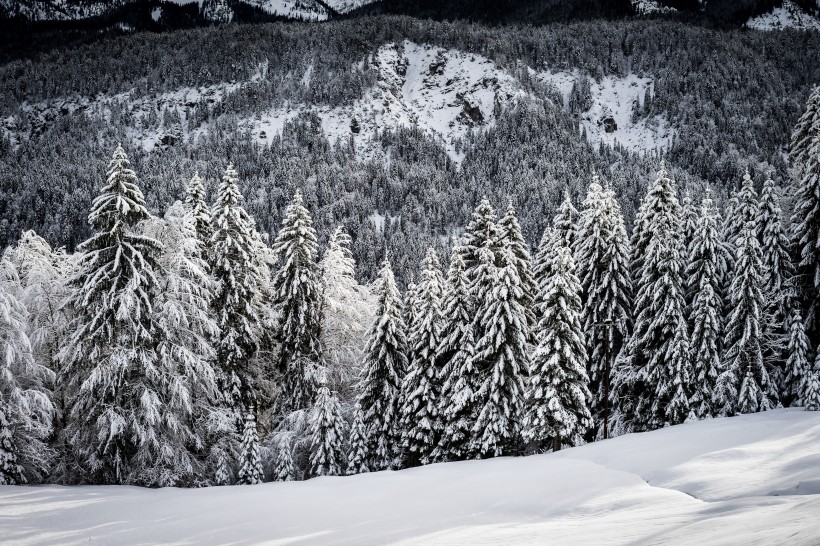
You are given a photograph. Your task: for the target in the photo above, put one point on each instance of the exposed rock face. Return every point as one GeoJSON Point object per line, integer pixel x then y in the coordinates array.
{"type": "Point", "coordinates": [609, 124]}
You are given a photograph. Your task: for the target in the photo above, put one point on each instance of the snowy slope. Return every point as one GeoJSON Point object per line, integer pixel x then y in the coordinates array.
{"type": "Point", "coordinates": [789, 15]}
{"type": "Point", "coordinates": [747, 480]}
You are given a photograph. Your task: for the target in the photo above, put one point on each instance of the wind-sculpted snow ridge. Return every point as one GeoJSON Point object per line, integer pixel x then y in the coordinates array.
{"type": "Point", "coordinates": [789, 15]}
{"type": "Point", "coordinates": [751, 479]}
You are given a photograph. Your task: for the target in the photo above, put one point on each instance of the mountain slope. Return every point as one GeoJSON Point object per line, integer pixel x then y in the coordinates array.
{"type": "Point", "coordinates": [753, 479]}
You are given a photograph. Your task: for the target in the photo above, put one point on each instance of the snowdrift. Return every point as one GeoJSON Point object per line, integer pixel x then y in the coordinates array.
{"type": "Point", "coordinates": [753, 479]}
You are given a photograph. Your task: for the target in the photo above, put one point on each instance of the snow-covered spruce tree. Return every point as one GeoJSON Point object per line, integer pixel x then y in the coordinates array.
{"type": "Point", "coordinates": [348, 310]}
{"type": "Point", "coordinates": [420, 422]}
{"type": "Point", "coordinates": [195, 201]}
{"type": "Point", "coordinates": [652, 352]}
{"type": "Point", "coordinates": [603, 266]}
{"type": "Point", "coordinates": [566, 221]}
{"type": "Point", "coordinates": [689, 214]}
{"type": "Point", "coordinates": [125, 407]}
{"type": "Point", "coordinates": [383, 369]}
{"type": "Point", "coordinates": [501, 359]}
{"type": "Point", "coordinates": [283, 470]}
{"type": "Point", "coordinates": [481, 231]}
{"type": "Point", "coordinates": [327, 435]}
{"type": "Point", "coordinates": [250, 461]}
{"type": "Point", "coordinates": [748, 209]}
{"type": "Point", "coordinates": [454, 359]}
{"type": "Point", "coordinates": [236, 303]}
{"type": "Point", "coordinates": [542, 266]}
{"type": "Point", "coordinates": [512, 236]}
{"type": "Point", "coordinates": [557, 400]}
{"type": "Point", "coordinates": [805, 157]}
{"type": "Point", "coordinates": [298, 304]}
{"type": "Point", "coordinates": [797, 363]}
{"type": "Point", "coordinates": [410, 308]}
{"type": "Point", "coordinates": [357, 451]}
{"type": "Point", "coordinates": [706, 262]}
{"type": "Point", "coordinates": [26, 409]}
{"type": "Point", "coordinates": [221, 474]}
{"type": "Point", "coordinates": [811, 391]}
{"type": "Point", "coordinates": [743, 374]}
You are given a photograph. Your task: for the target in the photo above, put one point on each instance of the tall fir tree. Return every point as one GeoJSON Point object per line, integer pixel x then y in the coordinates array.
{"type": "Point", "coordinates": [124, 404]}
{"type": "Point", "coordinates": [501, 359]}
{"type": "Point", "coordinates": [383, 369]}
{"type": "Point", "coordinates": [297, 301]}
{"type": "Point", "coordinates": [512, 236]}
{"type": "Point", "coordinates": [654, 351]}
{"type": "Point", "coordinates": [454, 356]}
{"type": "Point", "coordinates": [704, 289]}
{"type": "Point", "coordinates": [689, 214]}
{"type": "Point", "coordinates": [811, 391]}
{"type": "Point", "coordinates": [566, 221]}
{"type": "Point", "coordinates": [250, 461]}
{"type": "Point", "coordinates": [797, 364]}
{"type": "Point", "coordinates": [421, 424]}
{"type": "Point", "coordinates": [327, 435]}
{"type": "Point", "coordinates": [805, 157]}
{"type": "Point", "coordinates": [237, 299]}
{"type": "Point", "coordinates": [603, 269]}
{"type": "Point", "coordinates": [557, 400]}
{"type": "Point", "coordinates": [195, 200]}
{"type": "Point", "coordinates": [357, 452]}
{"type": "Point", "coordinates": [542, 267]}
{"type": "Point", "coordinates": [283, 470]}
{"type": "Point", "coordinates": [743, 385]}
{"type": "Point", "coordinates": [481, 231]}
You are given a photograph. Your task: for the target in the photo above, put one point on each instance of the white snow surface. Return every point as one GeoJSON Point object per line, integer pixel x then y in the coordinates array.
{"type": "Point", "coordinates": [789, 15]}
{"type": "Point", "coordinates": [305, 10]}
{"type": "Point", "coordinates": [613, 97]}
{"type": "Point", "coordinates": [751, 480]}
{"type": "Point", "coordinates": [649, 7]}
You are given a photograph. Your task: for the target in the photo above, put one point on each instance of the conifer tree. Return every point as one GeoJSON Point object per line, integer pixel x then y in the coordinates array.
{"type": "Point", "coordinates": [653, 351]}
{"type": "Point", "coordinates": [124, 398]}
{"type": "Point", "coordinates": [283, 470]}
{"type": "Point", "coordinates": [743, 371]}
{"type": "Point", "coordinates": [797, 363]}
{"type": "Point", "coordinates": [512, 236]}
{"type": "Point", "coordinates": [542, 267]}
{"type": "Point", "coordinates": [195, 200]}
{"type": "Point", "coordinates": [811, 392]}
{"type": "Point", "coordinates": [237, 299]}
{"type": "Point", "coordinates": [501, 357]}
{"type": "Point", "coordinates": [410, 308]}
{"type": "Point", "coordinates": [250, 462]}
{"type": "Point", "coordinates": [690, 218]}
{"type": "Point", "coordinates": [383, 369]}
{"type": "Point", "coordinates": [221, 476]}
{"type": "Point", "coordinates": [357, 454]}
{"type": "Point", "coordinates": [565, 222]}
{"type": "Point", "coordinates": [454, 357]}
{"type": "Point", "coordinates": [777, 265]}
{"type": "Point", "coordinates": [420, 422]}
{"type": "Point", "coordinates": [297, 301]}
{"type": "Point", "coordinates": [603, 267]}
{"type": "Point", "coordinates": [805, 156]}
{"type": "Point", "coordinates": [481, 231]}
{"type": "Point", "coordinates": [706, 261]}
{"type": "Point", "coordinates": [11, 473]}
{"type": "Point", "coordinates": [557, 402]}
{"type": "Point", "coordinates": [327, 434]}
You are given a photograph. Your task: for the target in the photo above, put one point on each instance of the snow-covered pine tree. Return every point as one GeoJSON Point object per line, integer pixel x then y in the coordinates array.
{"type": "Point", "coordinates": [603, 269]}
{"type": "Point", "coordinates": [383, 369]}
{"type": "Point", "coordinates": [481, 231]}
{"type": "Point", "coordinates": [348, 310]}
{"type": "Point", "coordinates": [797, 362]}
{"type": "Point", "coordinates": [195, 200]}
{"type": "Point", "coordinates": [235, 268]}
{"type": "Point", "coordinates": [454, 359]}
{"type": "Point", "coordinates": [357, 452]}
{"type": "Point", "coordinates": [811, 391]}
{"type": "Point", "coordinates": [689, 214]}
{"type": "Point", "coordinates": [743, 361]}
{"type": "Point", "coordinates": [327, 435]}
{"type": "Point", "coordinates": [297, 301]}
{"type": "Point", "coordinates": [565, 222]}
{"type": "Point", "coordinates": [183, 314]}
{"type": "Point", "coordinates": [221, 475]}
{"type": "Point", "coordinates": [653, 353]}
{"type": "Point", "coordinates": [501, 359]}
{"type": "Point", "coordinates": [123, 396]}
{"type": "Point", "coordinates": [805, 157]}
{"type": "Point", "coordinates": [283, 470]}
{"type": "Point", "coordinates": [26, 409]}
{"type": "Point", "coordinates": [704, 274]}
{"type": "Point", "coordinates": [420, 422]}
{"type": "Point", "coordinates": [410, 309]}
{"type": "Point", "coordinates": [512, 236]}
{"type": "Point", "coordinates": [748, 208]}
{"type": "Point", "coordinates": [557, 400]}
{"type": "Point", "coordinates": [250, 461]}
{"type": "Point", "coordinates": [542, 266]}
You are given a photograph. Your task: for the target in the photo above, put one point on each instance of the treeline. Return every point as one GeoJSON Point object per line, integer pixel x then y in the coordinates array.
{"type": "Point", "coordinates": [187, 351]}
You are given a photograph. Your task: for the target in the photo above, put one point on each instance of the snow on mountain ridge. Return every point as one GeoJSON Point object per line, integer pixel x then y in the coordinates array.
{"type": "Point", "coordinates": [789, 15]}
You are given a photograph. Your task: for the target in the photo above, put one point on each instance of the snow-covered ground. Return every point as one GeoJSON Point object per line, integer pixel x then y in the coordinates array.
{"type": "Point", "coordinates": [789, 15]}
{"type": "Point", "coordinates": [748, 480]}
{"type": "Point", "coordinates": [649, 7]}
{"type": "Point", "coordinates": [613, 97]}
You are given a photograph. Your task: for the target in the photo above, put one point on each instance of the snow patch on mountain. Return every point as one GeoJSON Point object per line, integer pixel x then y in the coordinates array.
{"type": "Point", "coordinates": [609, 119]}
{"type": "Point", "coordinates": [56, 10]}
{"type": "Point", "coordinates": [789, 15]}
{"type": "Point", "coordinates": [650, 7]}
{"type": "Point", "coordinates": [305, 10]}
